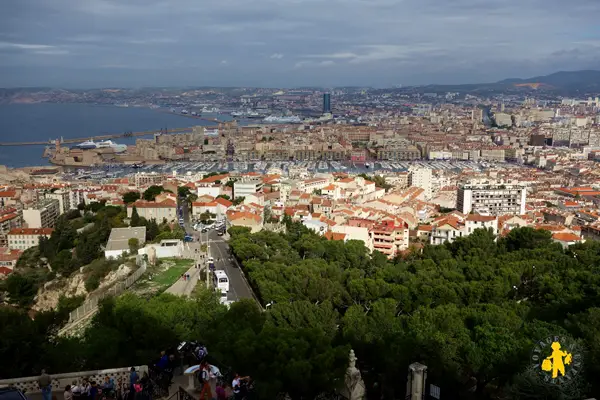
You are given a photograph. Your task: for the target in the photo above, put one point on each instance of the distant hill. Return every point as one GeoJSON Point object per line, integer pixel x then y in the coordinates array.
{"type": "Point", "coordinates": [563, 82]}
{"type": "Point", "coordinates": [562, 79]}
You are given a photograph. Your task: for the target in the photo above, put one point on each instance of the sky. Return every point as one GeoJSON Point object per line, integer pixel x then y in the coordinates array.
{"type": "Point", "coordinates": [286, 43]}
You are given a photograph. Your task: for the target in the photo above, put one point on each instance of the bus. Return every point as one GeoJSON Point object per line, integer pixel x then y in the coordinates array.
{"type": "Point", "coordinates": [221, 281]}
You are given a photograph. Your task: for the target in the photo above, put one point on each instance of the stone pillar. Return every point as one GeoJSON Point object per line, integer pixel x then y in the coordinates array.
{"type": "Point", "coordinates": [415, 385]}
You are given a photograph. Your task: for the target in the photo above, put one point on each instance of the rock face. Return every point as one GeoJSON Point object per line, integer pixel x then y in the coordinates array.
{"type": "Point", "coordinates": [354, 387]}
{"type": "Point", "coordinates": [47, 297]}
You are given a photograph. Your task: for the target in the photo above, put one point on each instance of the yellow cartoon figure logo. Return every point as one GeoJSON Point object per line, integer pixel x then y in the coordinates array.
{"type": "Point", "coordinates": [557, 359]}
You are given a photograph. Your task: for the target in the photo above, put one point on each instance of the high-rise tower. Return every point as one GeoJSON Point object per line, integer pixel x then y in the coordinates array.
{"type": "Point", "coordinates": [326, 103]}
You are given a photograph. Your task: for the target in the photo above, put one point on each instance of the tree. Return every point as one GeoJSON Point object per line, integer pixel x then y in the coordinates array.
{"type": "Point", "coordinates": [134, 245]}
{"type": "Point", "coordinates": [224, 196]}
{"type": "Point", "coordinates": [153, 191]}
{"type": "Point", "coordinates": [131, 197]}
{"type": "Point", "coordinates": [135, 218]}
{"type": "Point", "coordinates": [152, 230]}
{"type": "Point", "coordinates": [238, 200]}
{"type": "Point", "coordinates": [21, 289]}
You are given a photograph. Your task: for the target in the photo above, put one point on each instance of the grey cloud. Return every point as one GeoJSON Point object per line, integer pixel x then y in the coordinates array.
{"type": "Point", "coordinates": [325, 42]}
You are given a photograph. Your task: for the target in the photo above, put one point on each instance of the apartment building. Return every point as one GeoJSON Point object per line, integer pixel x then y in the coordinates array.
{"type": "Point", "coordinates": [64, 199]}
{"type": "Point", "coordinates": [8, 220]}
{"type": "Point", "coordinates": [166, 209]}
{"type": "Point", "coordinates": [491, 198]}
{"type": "Point", "coordinates": [248, 186]}
{"type": "Point", "coordinates": [389, 237]}
{"type": "Point", "coordinates": [25, 238]}
{"type": "Point", "coordinates": [422, 178]}
{"type": "Point", "coordinates": [142, 179]}
{"type": "Point", "coordinates": [42, 214]}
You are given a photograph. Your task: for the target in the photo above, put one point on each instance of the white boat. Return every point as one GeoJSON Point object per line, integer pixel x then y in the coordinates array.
{"type": "Point", "coordinates": [118, 148]}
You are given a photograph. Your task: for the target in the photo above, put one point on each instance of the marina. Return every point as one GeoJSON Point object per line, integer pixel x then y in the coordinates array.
{"type": "Point", "coordinates": [291, 169]}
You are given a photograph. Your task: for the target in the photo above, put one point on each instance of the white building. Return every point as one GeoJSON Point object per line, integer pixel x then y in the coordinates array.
{"type": "Point", "coordinates": [24, 238]}
{"type": "Point", "coordinates": [491, 198]}
{"type": "Point", "coordinates": [64, 199]}
{"type": "Point", "coordinates": [422, 177]}
{"type": "Point", "coordinates": [42, 214]}
{"type": "Point", "coordinates": [118, 242]}
{"type": "Point", "coordinates": [247, 187]}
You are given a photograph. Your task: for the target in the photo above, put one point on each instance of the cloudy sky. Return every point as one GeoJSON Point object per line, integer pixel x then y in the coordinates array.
{"type": "Point", "coordinates": [94, 43]}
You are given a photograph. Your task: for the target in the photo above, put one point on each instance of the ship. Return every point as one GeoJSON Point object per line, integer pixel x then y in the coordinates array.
{"type": "Point", "coordinates": [117, 148]}
{"type": "Point", "coordinates": [91, 145]}
{"type": "Point", "coordinates": [294, 119]}
{"type": "Point", "coordinates": [87, 145]}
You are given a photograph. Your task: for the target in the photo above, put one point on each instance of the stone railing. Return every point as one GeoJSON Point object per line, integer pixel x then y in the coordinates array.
{"type": "Point", "coordinates": [29, 384]}
{"type": "Point", "coordinates": [91, 304]}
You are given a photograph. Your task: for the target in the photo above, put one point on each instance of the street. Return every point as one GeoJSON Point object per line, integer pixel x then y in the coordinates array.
{"type": "Point", "coordinates": [219, 250]}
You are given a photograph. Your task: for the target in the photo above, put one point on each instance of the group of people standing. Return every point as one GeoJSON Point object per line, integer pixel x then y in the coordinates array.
{"type": "Point", "coordinates": [92, 390]}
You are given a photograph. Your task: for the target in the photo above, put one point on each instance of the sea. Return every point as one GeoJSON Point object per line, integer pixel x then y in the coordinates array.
{"type": "Point", "coordinates": [45, 121]}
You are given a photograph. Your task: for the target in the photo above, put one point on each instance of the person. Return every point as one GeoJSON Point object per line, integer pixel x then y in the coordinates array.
{"type": "Point", "coordinates": [68, 395]}
{"type": "Point", "coordinates": [133, 378]}
{"type": "Point", "coordinates": [220, 392]}
{"type": "Point", "coordinates": [45, 385]}
{"type": "Point", "coordinates": [200, 352]}
{"type": "Point", "coordinates": [108, 387]}
{"type": "Point", "coordinates": [236, 385]}
{"type": "Point", "coordinates": [76, 390]}
{"type": "Point", "coordinates": [93, 391]}
{"type": "Point", "coordinates": [85, 389]}
{"type": "Point", "coordinates": [204, 378]}
{"type": "Point", "coordinates": [163, 361]}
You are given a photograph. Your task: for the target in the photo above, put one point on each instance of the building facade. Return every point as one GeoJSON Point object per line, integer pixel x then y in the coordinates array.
{"type": "Point", "coordinates": [492, 199]}
{"type": "Point", "coordinates": [246, 187]}
{"type": "Point", "coordinates": [422, 178]}
{"type": "Point", "coordinates": [42, 214]}
{"type": "Point", "coordinates": [24, 238]}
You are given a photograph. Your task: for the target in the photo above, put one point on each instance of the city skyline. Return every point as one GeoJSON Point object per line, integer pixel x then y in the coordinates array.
{"type": "Point", "coordinates": [306, 42]}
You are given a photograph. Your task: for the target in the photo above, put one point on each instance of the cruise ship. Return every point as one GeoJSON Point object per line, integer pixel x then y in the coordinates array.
{"type": "Point", "coordinates": [90, 144]}
{"type": "Point", "coordinates": [87, 145]}
{"type": "Point", "coordinates": [294, 119]}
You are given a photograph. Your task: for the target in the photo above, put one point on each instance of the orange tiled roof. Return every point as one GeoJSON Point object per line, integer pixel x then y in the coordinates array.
{"type": "Point", "coordinates": [566, 237]}
{"type": "Point", "coordinates": [31, 231]}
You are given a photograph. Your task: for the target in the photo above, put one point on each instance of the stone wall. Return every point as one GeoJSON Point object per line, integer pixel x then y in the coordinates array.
{"type": "Point", "coordinates": [59, 381]}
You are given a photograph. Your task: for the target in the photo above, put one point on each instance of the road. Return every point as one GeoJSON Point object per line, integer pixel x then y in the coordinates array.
{"type": "Point", "coordinates": [219, 250]}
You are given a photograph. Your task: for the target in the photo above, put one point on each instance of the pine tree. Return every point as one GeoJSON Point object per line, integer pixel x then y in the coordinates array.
{"type": "Point", "coordinates": [135, 218]}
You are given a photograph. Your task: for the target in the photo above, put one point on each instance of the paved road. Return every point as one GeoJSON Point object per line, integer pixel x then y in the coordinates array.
{"type": "Point", "coordinates": [219, 250]}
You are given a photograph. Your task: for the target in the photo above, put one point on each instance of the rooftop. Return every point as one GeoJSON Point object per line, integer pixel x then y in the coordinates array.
{"type": "Point", "coordinates": [119, 237]}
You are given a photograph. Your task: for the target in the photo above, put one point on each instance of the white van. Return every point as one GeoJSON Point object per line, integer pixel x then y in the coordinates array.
{"type": "Point", "coordinates": [221, 281]}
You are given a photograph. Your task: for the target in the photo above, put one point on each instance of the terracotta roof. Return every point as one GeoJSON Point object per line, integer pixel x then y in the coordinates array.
{"type": "Point", "coordinates": [8, 217]}
{"type": "Point", "coordinates": [334, 235]}
{"type": "Point", "coordinates": [566, 237]}
{"type": "Point", "coordinates": [168, 203]}
{"type": "Point", "coordinates": [223, 202]}
{"type": "Point", "coordinates": [480, 218]}
{"type": "Point", "coordinates": [31, 231]}
{"type": "Point", "coordinates": [5, 271]}
{"type": "Point", "coordinates": [8, 193]}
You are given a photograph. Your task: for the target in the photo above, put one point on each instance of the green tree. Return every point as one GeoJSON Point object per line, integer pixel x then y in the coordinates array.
{"type": "Point", "coordinates": [152, 230]}
{"type": "Point", "coordinates": [224, 196]}
{"type": "Point", "coordinates": [238, 200]}
{"type": "Point", "coordinates": [131, 197]}
{"type": "Point", "coordinates": [151, 193]}
{"type": "Point", "coordinates": [135, 218]}
{"type": "Point", "coordinates": [21, 289]}
{"type": "Point", "coordinates": [134, 245]}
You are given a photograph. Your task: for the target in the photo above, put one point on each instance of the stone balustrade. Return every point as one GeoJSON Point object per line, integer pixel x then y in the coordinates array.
{"type": "Point", "coordinates": [59, 381]}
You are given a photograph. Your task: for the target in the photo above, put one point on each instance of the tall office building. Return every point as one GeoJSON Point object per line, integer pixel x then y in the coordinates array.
{"type": "Point", "coordinates": [326, 103]}
{"type": "Point", "coordinates": [491, 198]}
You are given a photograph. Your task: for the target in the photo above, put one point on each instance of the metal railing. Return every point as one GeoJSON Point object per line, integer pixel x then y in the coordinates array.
{"type": "Point", "coordinates": [91, 304]}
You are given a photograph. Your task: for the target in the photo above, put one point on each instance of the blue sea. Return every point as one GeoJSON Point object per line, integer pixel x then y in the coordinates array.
{"type": "Point", "coordinates": [35, 122]}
